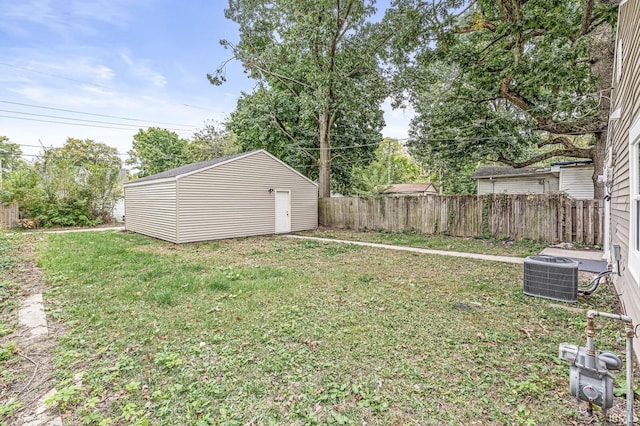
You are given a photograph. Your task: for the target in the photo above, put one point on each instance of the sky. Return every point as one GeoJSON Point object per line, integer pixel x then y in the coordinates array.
{"type": "Point", "coordinates": [102, 69]}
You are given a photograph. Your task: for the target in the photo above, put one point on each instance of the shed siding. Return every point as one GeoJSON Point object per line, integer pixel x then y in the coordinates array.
{"type": "Point", "coordinates": [233, 200]}
{"type": "Point", "coordinates": [577, 182]}
{"type": "Point", "coordinates": [626, 97]}
{"type": "Point", "coordinates": [518, 185]}
{"type": "Point", "coordinates": [151, 209]}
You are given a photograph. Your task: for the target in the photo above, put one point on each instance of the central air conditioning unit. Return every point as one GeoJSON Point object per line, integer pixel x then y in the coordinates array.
{"type": "Point", "coordinates": [551, 277]}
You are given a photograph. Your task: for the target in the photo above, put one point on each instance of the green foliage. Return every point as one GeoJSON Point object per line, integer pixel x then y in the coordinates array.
{"type": "Point", "coordinates": [66, 396]}
{"type": "Point", "coordinates": [156, 150]}
{"type": "Point", "coordinates": [65, 212]}
{"type": "Point", "coordinates": [392, 164]}
{"type": "Point", "coordinates": [8, 408]}
{"type": "Point", "coordinates": [22, 186]}
{"type": "Point", "coordinates": [10, 157]}
{"type": "Point", "coordinates": [317, 104]}
{"type": "Point", "coordinates": [502, 82]}
{"type": "Point", "coordinates": [74, 185]}
{"type": "Point", "coordinates": [8, 351]}
{"type": "Point", "coordinates": [212, 142]}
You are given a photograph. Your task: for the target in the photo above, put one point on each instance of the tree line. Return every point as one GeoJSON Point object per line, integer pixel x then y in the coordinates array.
{"type": "Point", "coordinates": [507, 82]}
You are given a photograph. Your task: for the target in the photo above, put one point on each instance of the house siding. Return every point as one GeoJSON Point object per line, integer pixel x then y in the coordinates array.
{"type": "Point", "coordinates": [626, 98]}
{"type": "Point", "coordinates": [577, 182]}
{"type": "Point", "coordinates": [233, 199]}
{"type": "Point", "coordinates": [518, 185]}
{"type": "Point", "coordinates": [150, 209]}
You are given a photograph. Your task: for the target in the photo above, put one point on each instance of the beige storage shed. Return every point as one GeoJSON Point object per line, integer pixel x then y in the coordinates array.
{"type": "Point", "coordinates": [252, 193]}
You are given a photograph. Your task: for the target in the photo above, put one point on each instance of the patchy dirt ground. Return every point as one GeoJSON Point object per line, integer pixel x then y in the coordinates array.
{"type": "Point", "coordinates": [28, 375]}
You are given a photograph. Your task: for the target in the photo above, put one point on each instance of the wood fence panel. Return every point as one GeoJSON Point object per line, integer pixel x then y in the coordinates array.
{"type": "Point", "coordinates": [580, 221]}
{"type": "Point", "coordinates": [8, 215]}
{"type": "Point", "coordinates": [537, 217]}
{"type": "Point", "coordinates": [568, 221]}
{"type": "Point", "coordinates": [590, 222]}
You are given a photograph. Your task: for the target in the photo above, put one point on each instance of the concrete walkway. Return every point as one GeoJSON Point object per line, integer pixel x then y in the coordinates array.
{"type": "Point", "coordinates": [32, 319]}
{"type": "Point", "coordinates": [67, 231]}
{"type": "Point", "coordinates": [574, 254]}
{"type": "Point", "coordinates": [505, 259]}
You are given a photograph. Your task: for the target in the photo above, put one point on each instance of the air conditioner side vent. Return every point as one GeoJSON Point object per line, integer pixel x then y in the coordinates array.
{"type": "Point", "coordinates": [551, 277]}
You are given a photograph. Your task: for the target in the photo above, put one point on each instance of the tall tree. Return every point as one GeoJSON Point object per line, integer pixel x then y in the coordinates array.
{"type": "Point", "coordinates": [519, 74]}
{"type": "Point", "coordinates": [10, 157]}
{"type": "Point", "coordinates": [98, 172]}
{"type": "Point", "coordinates": [76, 184]}
{"type": "Point", "coordinates": [392, 164]}
{"type": "Point", "coordinates": [212, 141]}
{"type": "Point", "coordinates": [318, 57]}
{"type": "Point", "coordinates": [155, 150]}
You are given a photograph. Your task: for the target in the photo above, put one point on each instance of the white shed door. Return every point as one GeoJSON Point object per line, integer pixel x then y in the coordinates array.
{"type": "Point", "coordinates": [283, 223]}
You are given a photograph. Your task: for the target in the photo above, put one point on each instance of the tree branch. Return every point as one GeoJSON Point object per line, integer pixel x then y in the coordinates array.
{"type": "Point", "coordinates": [576, 152]}
{"type": "Point", "coordinates": [560, 140]}
{"type": "Point", "coordinates": [586, 18]}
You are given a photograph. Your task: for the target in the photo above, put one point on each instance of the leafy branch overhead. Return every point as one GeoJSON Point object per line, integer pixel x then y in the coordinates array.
{"type": "Point", "coordinates": [319, 83]}
{"type": "Point", "coordinates": [515, 82]}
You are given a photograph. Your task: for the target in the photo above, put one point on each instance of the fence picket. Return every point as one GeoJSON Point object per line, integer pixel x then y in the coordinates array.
{"type": "Point", "coordinates": [517, 216]}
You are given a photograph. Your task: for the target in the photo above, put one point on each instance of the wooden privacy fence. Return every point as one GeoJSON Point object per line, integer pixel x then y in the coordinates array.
{"type": "Point", "coordinates": [8, 215]}
{"type": "Point", "coordinates": [544, 217]}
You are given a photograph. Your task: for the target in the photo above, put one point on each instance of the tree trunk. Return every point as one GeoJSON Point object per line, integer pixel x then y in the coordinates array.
{"type": "Point", "coordinates": [325, 155]}
{"type": "Point", "coordinates": [601, 57]}
{"type": "Point", "coordinates": [597, 156]}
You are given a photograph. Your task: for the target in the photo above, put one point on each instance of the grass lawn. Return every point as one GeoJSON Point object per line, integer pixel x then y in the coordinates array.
{"type": "Point", "coordinates": [272, 330]}
{"type": "Point", "coordinates": [519, 248]}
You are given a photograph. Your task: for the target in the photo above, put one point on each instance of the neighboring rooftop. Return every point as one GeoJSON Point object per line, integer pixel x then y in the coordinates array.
{"type": "Point", "coordinates": [409, 188]}
{"type": "Point", "coordinates": [494, 171]}
{"type": "Point", "coordinates": [499, 171]}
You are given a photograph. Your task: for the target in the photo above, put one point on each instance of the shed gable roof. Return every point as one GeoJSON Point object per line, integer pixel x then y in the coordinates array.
{"type": "Point", "coordinates": [203, 165]}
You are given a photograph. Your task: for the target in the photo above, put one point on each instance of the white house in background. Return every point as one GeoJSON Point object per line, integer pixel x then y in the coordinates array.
{"type": "Point", "coordinates": [573, 178]}
{"type": "Point", "coordinates": [622, 171]}
{"type": "Point", "coordinates": [117, 215]}
{"type": "Point", "coordinates": [252, 193]}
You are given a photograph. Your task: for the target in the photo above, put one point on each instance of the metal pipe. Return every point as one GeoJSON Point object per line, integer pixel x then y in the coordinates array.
{"type": "Point", "coordinates": [630, 333]}
{"type": "Point", "coordinates": [591, 314]}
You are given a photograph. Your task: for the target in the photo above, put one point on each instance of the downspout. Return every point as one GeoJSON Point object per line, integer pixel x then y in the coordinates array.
{"type": "Point", "coordinates": [609, 162]}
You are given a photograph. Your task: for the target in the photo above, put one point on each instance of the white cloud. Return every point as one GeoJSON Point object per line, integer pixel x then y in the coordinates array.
{"type": "Point", "coordinates": [140, 69]}
{"type": "Point", "coordinates": [66, 18]}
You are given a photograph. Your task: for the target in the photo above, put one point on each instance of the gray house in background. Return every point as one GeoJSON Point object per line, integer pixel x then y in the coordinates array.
{"type": "Point", "coordinates": [252, 193]}
{"type": "Point", "coordinates": [572, 178]}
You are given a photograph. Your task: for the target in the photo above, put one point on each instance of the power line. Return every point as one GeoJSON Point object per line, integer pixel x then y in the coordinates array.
{"type": "Point", "coordinates": [96, 114]}
{"type": "Point", "coordinates": [54, 75]}
{"type": "Point", "coordinates": [71, 124]}
{"type": "Point", "coordinates": [50, 147]}
{"type": "Point", "coordinates": [80, 119]}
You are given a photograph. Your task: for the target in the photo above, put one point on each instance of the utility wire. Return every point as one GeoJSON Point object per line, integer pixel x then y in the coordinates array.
{"type": "Point", "coordinates": [73, 124]}
{"type": "Point", "coordinates": [80, 119]}
{"type": "Point", "coordinates": [95, 114]}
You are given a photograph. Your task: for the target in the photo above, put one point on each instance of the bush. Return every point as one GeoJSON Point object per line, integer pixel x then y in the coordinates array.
{"type": "Point", "coordinates": [63, 213]}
